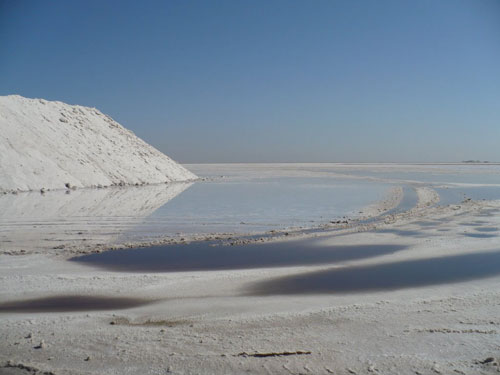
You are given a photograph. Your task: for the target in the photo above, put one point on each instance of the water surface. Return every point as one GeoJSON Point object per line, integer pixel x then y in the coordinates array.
{"type": "Point", "coordinates": [202, 256]}
{"type": "Point", "coordinates": [68, 303]}
{"type": "Point", "coordinates": [261, 204]}
{"type": "Point", "coordinates": [248, 200]}
{"type": "Point", "coordinates": [385, 276]}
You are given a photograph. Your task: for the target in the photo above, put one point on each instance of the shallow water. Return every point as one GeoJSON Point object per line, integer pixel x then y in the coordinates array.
{"type": "Point", "coordinates": [385, 276]}
{"type": "Point", "coordinates": [454, 183]}
{"type": "Point", "coordinates": [248, 200]}
{"type": "Point", "coordinates": [244, 206]}
{"type": "Point", "coordinates": [441, 174]}
{"type": "Point", "coordinates": [71, 303]}
{"type": "Point", "coordinates": [455, 195]}
{"type": "Point", "coordinates": [249, 206]}
{"type": "Point", "coordinates": [409, 201]}
{"type": "Point", "coordinates": [203, 256]}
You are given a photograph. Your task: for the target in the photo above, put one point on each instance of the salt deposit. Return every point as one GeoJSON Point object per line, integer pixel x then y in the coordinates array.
{"type": "Point", "coordinates": [53, 145]}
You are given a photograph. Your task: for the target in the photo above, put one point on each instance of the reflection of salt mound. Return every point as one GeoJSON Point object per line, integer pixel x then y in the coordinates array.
{"type": "Point", "coordinates": [49, 144]}
{"type": "Point", "coordinates": [34, 221]}
{"type": "Point", "coordinates": [134, 202]}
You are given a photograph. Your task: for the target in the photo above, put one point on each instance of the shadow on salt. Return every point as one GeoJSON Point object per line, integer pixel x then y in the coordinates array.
{"type": "Point", "coordinates": [479, 235]}
{"type": "Point", "coordinates": [487, 229]}
{"type": "Point", "coordinates": [385, 276]}
{"type": "Point", "coordinates": [402, 232]}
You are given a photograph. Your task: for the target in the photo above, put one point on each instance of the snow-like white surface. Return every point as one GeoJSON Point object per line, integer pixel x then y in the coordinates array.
{"type": "Point", "coordinates": [45, 144]}
{"type": "Point", "coordinates": [199, 322]}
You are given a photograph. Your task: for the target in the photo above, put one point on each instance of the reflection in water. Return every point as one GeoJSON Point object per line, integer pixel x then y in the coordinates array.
{"type": "Point", "coordinates": [257, 204]}
{"type": "Point", "coordinates": [386, 276]}
{"type": "Point", "coordinates": [202, 256]}
{"type": "Point", "coordinates": [71, 303]}
{"type": "Point", "coordinates": [84, 214]}
{"type": "Point", "coordinates": [110, 202]}
{"type": "Point", "coordinates": [137, 214]}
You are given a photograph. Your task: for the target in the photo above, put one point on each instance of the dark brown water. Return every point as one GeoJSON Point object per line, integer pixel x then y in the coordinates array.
{"type": "Point", "coordinates": [71, 303]}
{"type": "Point", "coordinates": [387, 276]}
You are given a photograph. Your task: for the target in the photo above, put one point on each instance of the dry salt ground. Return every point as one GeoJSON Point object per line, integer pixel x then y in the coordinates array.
{"type": "Point", "coordinates": [395, 292]}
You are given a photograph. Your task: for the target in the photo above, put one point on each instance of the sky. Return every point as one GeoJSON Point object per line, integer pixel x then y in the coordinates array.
{"type": "Point", "coordinates": [270, 81]}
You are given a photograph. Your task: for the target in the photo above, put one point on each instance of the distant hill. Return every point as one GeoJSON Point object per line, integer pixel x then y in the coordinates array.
{"type": "Point", "coordinates": [53, 145]}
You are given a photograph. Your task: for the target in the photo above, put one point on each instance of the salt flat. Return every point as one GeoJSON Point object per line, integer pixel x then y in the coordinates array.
{"type": "Point", "coordinates": [392, 291]}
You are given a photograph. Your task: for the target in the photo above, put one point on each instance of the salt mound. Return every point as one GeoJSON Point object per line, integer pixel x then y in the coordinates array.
{"type": "Point", "coordinates": [53, 145]}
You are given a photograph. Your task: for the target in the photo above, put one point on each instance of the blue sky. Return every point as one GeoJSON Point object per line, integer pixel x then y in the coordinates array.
{"type": "Point", "coordinates": [264, 81]}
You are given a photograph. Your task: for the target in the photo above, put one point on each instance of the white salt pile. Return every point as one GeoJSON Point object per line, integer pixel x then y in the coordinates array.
{"type": "Point", "coordinates": [53, 145]}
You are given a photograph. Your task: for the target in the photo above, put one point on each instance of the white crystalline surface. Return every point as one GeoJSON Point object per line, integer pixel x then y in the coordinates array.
{"type": "Point", "coordinates": [46, 144]}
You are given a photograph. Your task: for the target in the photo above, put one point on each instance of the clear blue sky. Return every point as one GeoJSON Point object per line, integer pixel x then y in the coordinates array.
{"type": "Point", "coordinates": [253, 81]}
